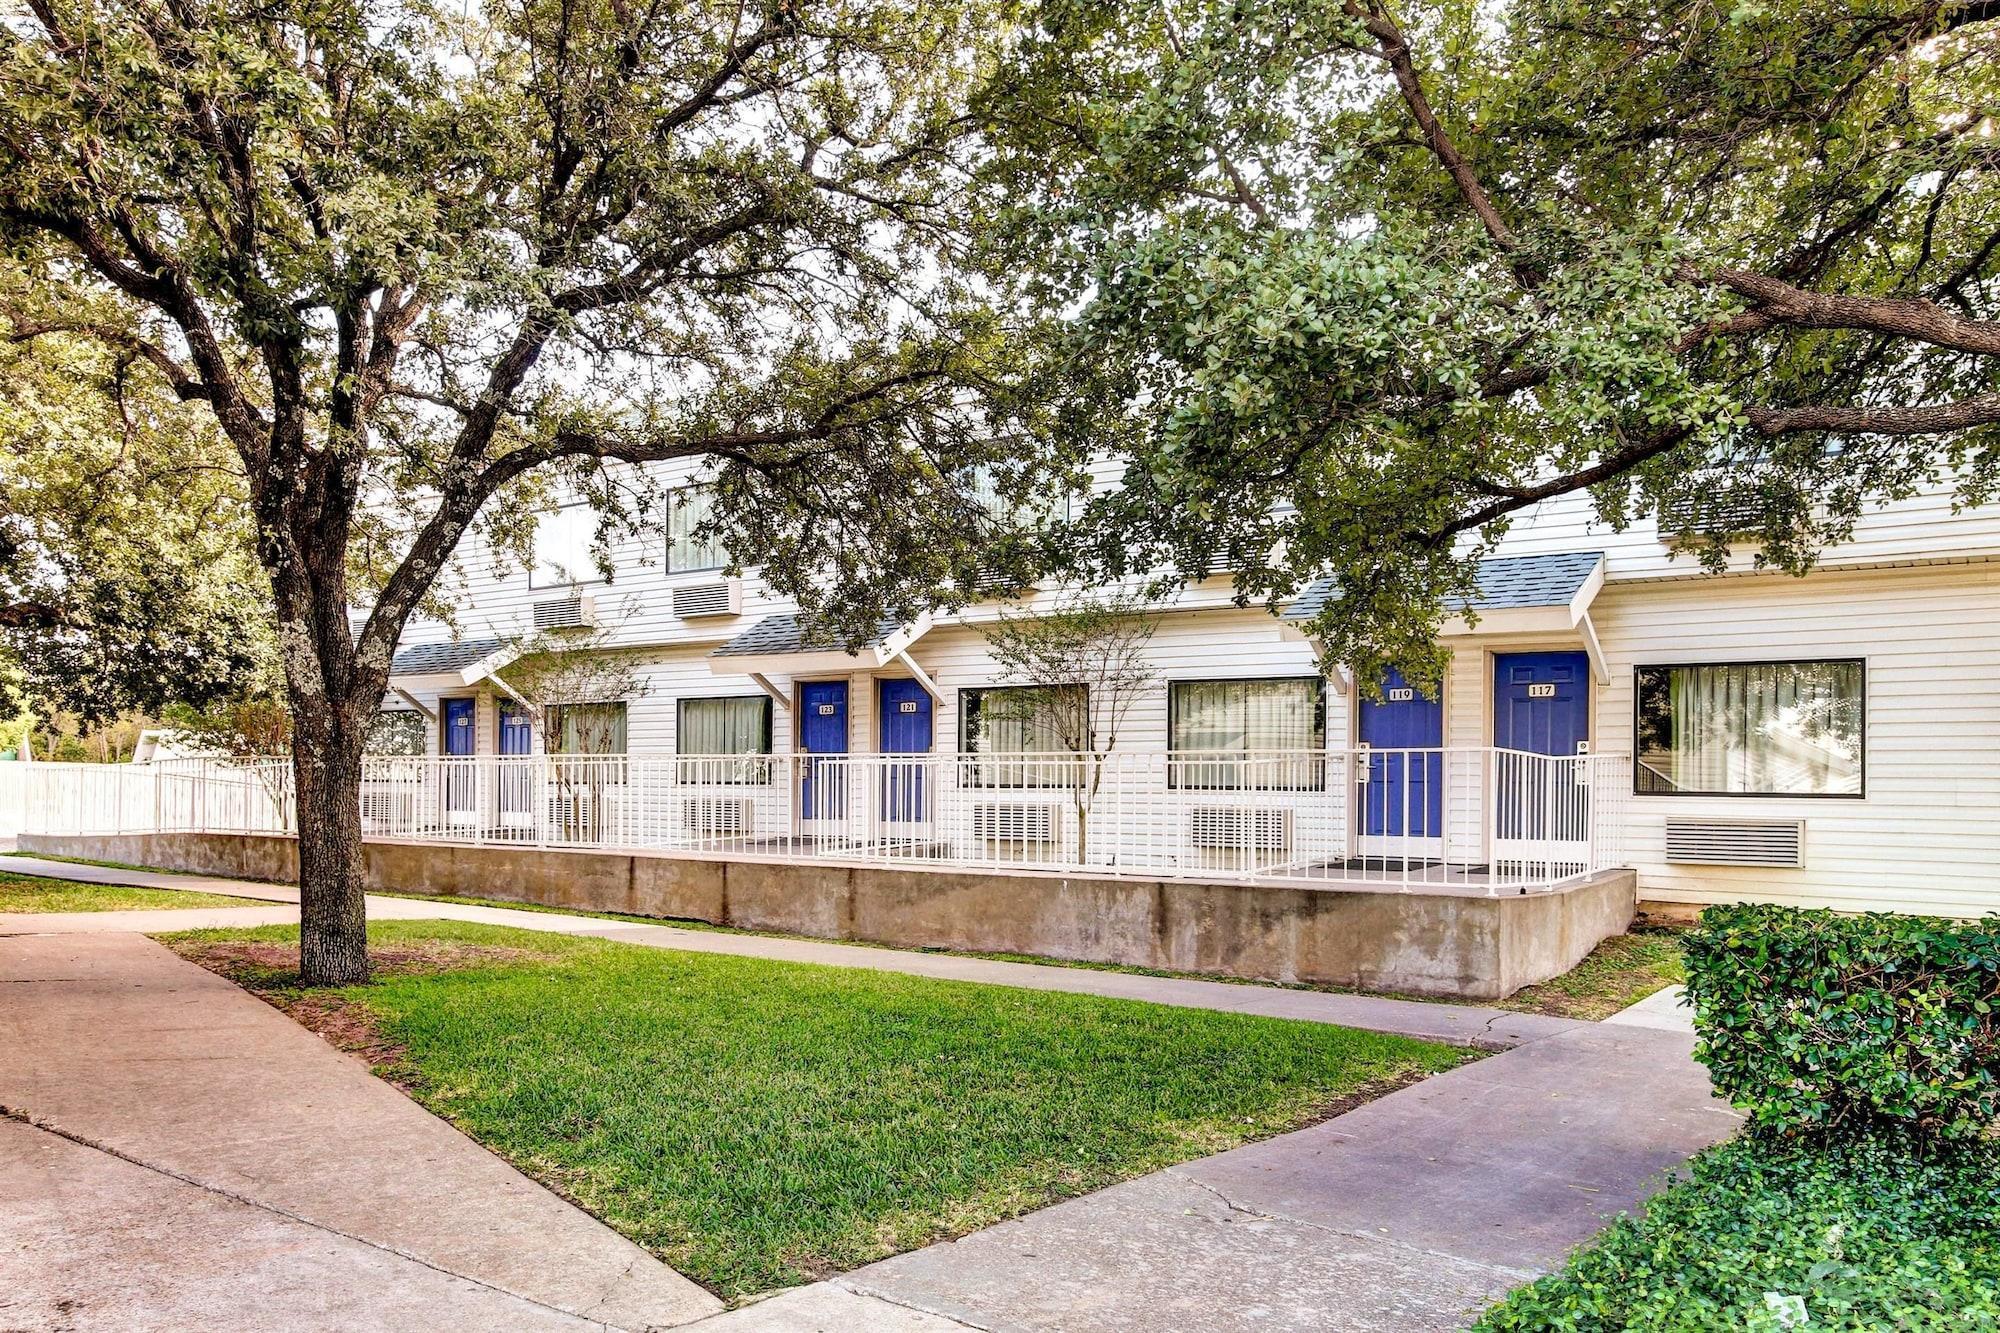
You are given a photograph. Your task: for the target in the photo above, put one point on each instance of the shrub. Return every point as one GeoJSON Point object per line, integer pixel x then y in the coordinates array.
{"type": "Point", "coordinates": [1812, 1021]}
{"type": "Point", "coordinates": [1874, 1231]}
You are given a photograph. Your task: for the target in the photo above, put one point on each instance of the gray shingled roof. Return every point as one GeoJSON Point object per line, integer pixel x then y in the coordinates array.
{"type": "Point", "coordinates": [781, 634]}
{"type": "Point", "coordinates": [428, 659]}
{"type": "Point", "coordinates": [1504, 582]}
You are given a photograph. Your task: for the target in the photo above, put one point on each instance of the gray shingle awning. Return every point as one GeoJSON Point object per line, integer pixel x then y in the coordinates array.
{"type": "Point", "coordinates": [431, 659]}
{"type": "Point", "coordinates": [778, 635]}
{"type": "Point", "coordinates": [1506, 583]}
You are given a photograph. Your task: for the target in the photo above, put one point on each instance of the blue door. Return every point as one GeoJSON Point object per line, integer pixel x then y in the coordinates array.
{"type": "Point", "coordinates": [1403, 796]}
{"type": "Point", "coordinates": [515, 733]}
{"type": "Point", "coordinates": [906, 729]}
{"type": "Point", "coordinates": [461, 783]}
{"type": "Point", "coordinates": [517, 780]}
{"type": "Point", "coordinates": [458, 732]}
{"type": "Point", "coordinates": [1541, 702]}
{"type": "Point", "coordinates": [1541, 706]}
{"type": "Point", "coordinates": [823, 731]}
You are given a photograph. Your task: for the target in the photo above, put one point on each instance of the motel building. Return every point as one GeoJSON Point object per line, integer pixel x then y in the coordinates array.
{"type": "Point", "coordinates": [1826, 740]}
{"type": "Point", "coordinates": [1615, 727]}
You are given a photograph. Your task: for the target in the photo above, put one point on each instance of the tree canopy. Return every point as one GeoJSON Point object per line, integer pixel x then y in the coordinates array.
{"type": "Point", "coordinates": [1350, 284]}
{"type": "Point", "coordinates": [414, 258]}
{"type": "Point", "coordinates": [126, 579]}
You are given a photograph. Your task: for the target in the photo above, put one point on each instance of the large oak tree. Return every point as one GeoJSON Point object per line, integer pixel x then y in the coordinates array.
{"type": "Point", "coordinates": [1350, 282]}
{"type": "Point", "coordinates": [413, 257]}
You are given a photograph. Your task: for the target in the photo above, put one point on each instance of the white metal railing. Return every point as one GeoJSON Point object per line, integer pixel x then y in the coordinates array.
{"type": "Point", "coordinates": [1491, 819]}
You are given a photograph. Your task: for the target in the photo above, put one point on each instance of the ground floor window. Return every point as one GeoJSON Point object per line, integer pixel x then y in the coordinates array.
{"type": "Point", "coordinates": [589, 730]}
{"type": "Point", "coordinates": [1013, 723]}
{"type": "Point", "coordinates": [737, 725]}
{"type": "Point", "coordinates": [1247, 733]}
{"type": "Point", "coordinates": [397, 731]}
{"type": "Point", "coordinates": [1750, 729]}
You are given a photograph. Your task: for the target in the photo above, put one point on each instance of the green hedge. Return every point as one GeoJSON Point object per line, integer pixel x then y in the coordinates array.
{"type": "Point", "coordinates": [1814, 1021]}
{"type": "Point", "coordinates": [1876, 1231]}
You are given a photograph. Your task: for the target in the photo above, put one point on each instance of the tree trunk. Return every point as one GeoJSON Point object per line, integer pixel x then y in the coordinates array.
{"type": "Point", "coordinates": [333, 924]}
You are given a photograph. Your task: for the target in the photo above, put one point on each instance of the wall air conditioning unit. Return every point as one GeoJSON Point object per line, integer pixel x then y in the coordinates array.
{"type": "Point", "coordinates": [713, 817]}
{"type": "Point", "coordinates": [1779, 843]}
{"type": "Point", "coordinates": [388, 811]}
{"type": "Point", "coordinates": [575, 611]}
{"type": "Point", "coordinates": [693, 601]}
{"type": "Point", "coordinates": [1240, 828]}
{"type": "Point", "coordinates": [1014, 823]}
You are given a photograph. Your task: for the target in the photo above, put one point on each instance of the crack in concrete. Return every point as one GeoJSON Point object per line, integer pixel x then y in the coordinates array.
{"type": "Point", "coordinates": [952, 1315]}
{"type": "Point", "coordinates": [35, 1122]}
{"type": "Point", "coordinates": [1515, 1275]}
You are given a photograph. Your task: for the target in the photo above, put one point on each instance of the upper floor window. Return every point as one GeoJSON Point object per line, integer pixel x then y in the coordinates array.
{"type": "Point", "coordinates": [984, 488]}
{"type": "Point", "coordinates": [1247, 733]}
{"type": "Point", "coordinates": [563, 539]}
{"type": "Point", "coordinates": [687, 509]}
{"type": "Point", "coordinates": [1750, 729]}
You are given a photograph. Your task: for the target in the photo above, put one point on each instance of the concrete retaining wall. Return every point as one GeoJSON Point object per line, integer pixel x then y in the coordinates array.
{"type": "Point", "coordinates": [1438, 944]}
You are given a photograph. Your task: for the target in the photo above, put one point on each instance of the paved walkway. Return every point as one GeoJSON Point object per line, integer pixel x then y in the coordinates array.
{"type": "Point", "coordinates": [176, 1153]}
{"type": "Point", "coordinates": [1409, 1213]}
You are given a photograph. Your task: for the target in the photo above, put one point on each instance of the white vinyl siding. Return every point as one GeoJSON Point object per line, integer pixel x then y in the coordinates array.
{"type": "Point", "coordinates": [1925, 837]}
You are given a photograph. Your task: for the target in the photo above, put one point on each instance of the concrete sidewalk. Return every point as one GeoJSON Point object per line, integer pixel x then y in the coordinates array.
{"type": "Point", "coordinates": [1466, 1025]}
{"type": "Point", "coordinates": [183, 1155]}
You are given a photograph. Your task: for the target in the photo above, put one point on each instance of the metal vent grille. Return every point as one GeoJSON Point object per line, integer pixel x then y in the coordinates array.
{"type": "Point", "coordinates": [1240, 827]}
{"type": "Point", "coordinates": [709, 816]}
{"type": "Point", "coordinates": [387, 809]}
{"type": "Point", "coordinates": [1013, 823]}
{"type": "Point", "coordinates": [1737, 842]}
{"type": "Point", "coordinates": [1719, 510]}
{"type": "Point", "coordinates": [694, 600]}
{"type": "Point", "coordinates": [565, 613]}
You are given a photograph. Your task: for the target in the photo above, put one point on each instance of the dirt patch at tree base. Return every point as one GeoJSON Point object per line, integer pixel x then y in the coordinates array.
{"type": "Point", "coordinates": [270, 971]}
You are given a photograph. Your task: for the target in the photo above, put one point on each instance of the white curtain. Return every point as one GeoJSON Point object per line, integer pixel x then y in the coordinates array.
{"type": "Point", "coordinates": [724, 726]}
{"type": "Point", "coordinates": [1774, 729]}
{"type": "Point", "coordinates": [687, 509]}
{"type": "Point", "coordinates": [1258, 729]}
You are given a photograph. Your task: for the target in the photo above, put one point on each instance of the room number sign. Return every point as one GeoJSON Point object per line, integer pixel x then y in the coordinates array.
{"type": "Point", "coordinates": [826, 710]}
{"type": "Point", "coordinates": [907, 706]}
{"type": "Point", "coordinates": [1541, 691]}
{"type": "Point", "coordinates": [1402, 694]}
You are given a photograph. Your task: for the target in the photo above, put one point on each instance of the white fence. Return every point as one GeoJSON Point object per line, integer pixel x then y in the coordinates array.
{"type": "Point", "coordinates": [1487, 819]}
{"type": "Point", "coordinates": [13, 792]}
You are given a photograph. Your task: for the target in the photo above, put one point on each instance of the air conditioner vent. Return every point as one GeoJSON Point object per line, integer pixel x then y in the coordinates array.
{"type": "Point", "coordinates": [1240, 827]}
{"type": "Point", "coordinates": [709, 817]}
{"type": "Point", "coordinates": [1737, 842]}
{"type": "Point", "coordinates": [1013, 823]}
{"type": "Point", "coordinates": [384, 811]}
{"type": "Point", "coordinates": [692, 601]}
{"type": "Point", "coordinates": [573, 612]}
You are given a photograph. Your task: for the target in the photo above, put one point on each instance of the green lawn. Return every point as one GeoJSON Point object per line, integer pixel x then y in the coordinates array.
{"type": "Point", "coordinates": [31, 893]}
{"type": "Point", "coordinates": [758, 1124]}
